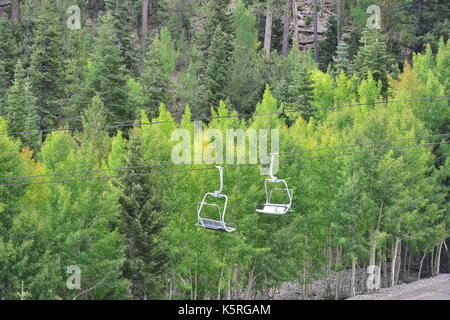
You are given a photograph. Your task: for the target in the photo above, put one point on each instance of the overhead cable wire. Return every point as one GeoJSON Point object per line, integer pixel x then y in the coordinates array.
{"type": "Point", "coordinates": [213, 168]}
{"type": "Point", "coordinates": [128, 125]}
{"type": "Point", "coordinates": [238, 158]}
{"type": "Point", "coordinates": [368, 144]}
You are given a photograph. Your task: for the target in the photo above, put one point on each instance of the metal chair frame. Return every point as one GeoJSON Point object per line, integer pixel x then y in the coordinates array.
{"type": "Point", "coordinates": [211, 224]}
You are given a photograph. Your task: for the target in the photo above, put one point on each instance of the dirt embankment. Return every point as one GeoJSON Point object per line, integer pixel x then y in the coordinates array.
{"type": "Point", "coordinates": [437, 288]}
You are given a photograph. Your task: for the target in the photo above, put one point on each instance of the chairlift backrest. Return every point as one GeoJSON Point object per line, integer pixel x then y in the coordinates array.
{"type": "Point", "coordinates": [211, 224]}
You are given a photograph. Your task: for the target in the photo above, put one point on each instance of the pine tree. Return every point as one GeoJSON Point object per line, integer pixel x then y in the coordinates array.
{"type": "Point", "coordinates": [3, 88]}
{"type": "Point", "coordinates": [342, 60]}
{"type": "Point", "coordinates": [327, 47]}
{"type": "Point", "coordinates": [300, 86]}
{"type": "Point", "coordinates": [245, 74]}
{"type": "Point", "coordinates": [216, 14]}
{"type": "Point", "coordinates": [374, 56]}
{"type": "Point", "coordinates": [120, 10]}
{"type": "Point", "coordinates": [77, 88]}
{"type": "Point", "coordinates": [46, 74]}
{"type": "Point", "coordinates": [141, 222]}
{"type": "Point", "coordinates": [8, 50]}
{"type": "Point", "coordinates": [159, 64]}
{"type": "Point", "coordinates": [109, 76]}
{"type": "Point", "coordinates": [216, 77]}
{"type": "Point", "coordinates": [21, 110]}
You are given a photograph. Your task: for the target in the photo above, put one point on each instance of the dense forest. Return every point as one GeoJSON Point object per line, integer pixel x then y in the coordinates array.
{"type": "Point", "coordinates": [91, 92]}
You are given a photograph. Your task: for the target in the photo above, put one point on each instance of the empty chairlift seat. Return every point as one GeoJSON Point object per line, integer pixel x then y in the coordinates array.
{"type": "Point", "coordinates": [271, 207]}
{"type": "Point", "coordinates": [218, 224]}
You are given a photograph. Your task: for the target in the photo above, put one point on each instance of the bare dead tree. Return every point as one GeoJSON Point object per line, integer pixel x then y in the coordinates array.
{"type": "Point", "coordinates": [144, 23]}
{"type": "Point", "coordinates": [286, 27]}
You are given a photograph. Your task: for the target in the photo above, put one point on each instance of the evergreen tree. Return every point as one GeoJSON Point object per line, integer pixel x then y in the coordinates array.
{"type": "Point", "coordinates": [245, 72]}
{"type": "Point", "coordinates": [374, 56]}
{"type": "Point", "coordinates": [215, 14]}
{"type": "Point", "coordinates": [142, 219]}
{"type": "Point", "coordinates": [109, 77]}
{"type": "Point", "coordinates": [217, 72]}
{"type": "Point", "coordinates": [76, 87]}
{"type": "Point", "coordinates": [342, 60]}
{"type": "Point", "coordinates": [120, 11]}
{"type": "Point", "coordinates": [8, 51]}
{"type": "Point", "coordinates": [3, 88]}
{"type": "Point", "coordinates": [159, 64]}
{"type": "Point", "coordinates": [21, 109]}
{"type": "Point", "coordinates": [46, 73]}
{"type": "Point", "coordinates": [327, 47]}
{"type": "Point", "coordinates": [300, 86]}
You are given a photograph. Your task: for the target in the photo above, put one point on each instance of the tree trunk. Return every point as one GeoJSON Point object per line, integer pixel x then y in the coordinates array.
{"type": "Point", "coordinates": [399, 263]}
{"type": "Point", "coordinates": [353, 288]}
{"type": "Point", "coordinates": [339, 19]}
{"type": "Point", "coordinates": [251, 279]}
{"type": "Point", "coordinates": [432, 263]}
{"type": "Point", "coordinates": [438, 259]}
{"type": "Point", "coordinates": [15, 11]}
{"type": "Point", "coordinates": [219, 289]}
{"type": "Point", "coordinates": [421, 264]}
{"type": "Point", "coordinates": [394, 261]}
{"type": "Point", "coordinates": [286, 27]}
{"type": "Point", "coordinates": [295, 36]}
{"type": "Point", "coordinates": [227, 295]}
{"type": "Point", "coordinates": [316, 45]}
{"type": "Point", "coordinates": [338, 279]}
{"type": "Point", "coordinates": [405, 262]}
{"type": "Point", "coordinates": [268, 33]}
{"type": "Point", "coordinates": [144, 26]}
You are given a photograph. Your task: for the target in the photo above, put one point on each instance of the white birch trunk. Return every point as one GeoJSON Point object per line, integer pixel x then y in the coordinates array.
{"type": "Point", "coordinates": [394, 261]}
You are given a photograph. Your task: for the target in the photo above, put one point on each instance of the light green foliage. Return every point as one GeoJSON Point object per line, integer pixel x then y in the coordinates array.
{"type": "Point", "coordinates": [130, 226]}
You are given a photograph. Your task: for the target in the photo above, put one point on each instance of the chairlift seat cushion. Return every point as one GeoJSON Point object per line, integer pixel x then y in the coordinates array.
{"type": "Point", "coordinates": [274, 209]}
{"type": "Point", "coordinates": [215, 225]}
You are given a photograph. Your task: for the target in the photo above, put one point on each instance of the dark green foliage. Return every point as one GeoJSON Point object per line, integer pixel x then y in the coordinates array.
{"type": "Point", "coordinates": [141, 220]}
{"type": "Point", "coordinates": [46, 66]}
{"type": "Point", "coordinates": [342, 60]}
{"type": "Point", "coordinates": [8, 51]}
{"type": "Point", "coordinates": [217, 72]}
{"type": "Point", "coordinates": [121, 12]}
{"type": "Point", "coordinates": [245, 79]}
{"type": "Point", "coordinates": [327, 47]}
{"type": "Point", "coordinates": [109, 77]}
{"type": "Point", "coordinates": [159, 64]}
{"type": "Point", "coordinates": [21, 110]}
{"type": "Point", "coordinates": [299, 89]}
{"type": "Point", "coordinates": [374, 56]}
{"type": "Point", "coordinates": [77, 88]}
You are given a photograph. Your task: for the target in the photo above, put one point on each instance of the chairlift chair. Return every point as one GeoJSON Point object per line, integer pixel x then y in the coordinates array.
{"type": "Point", "coordinates": [271, 208]}
{"type": "Point", "coordinates": [211, 224]}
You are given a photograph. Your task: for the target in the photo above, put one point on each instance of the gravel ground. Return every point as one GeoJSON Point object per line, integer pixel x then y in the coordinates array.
{"type": "Point", "coordinates": [437, 288]}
